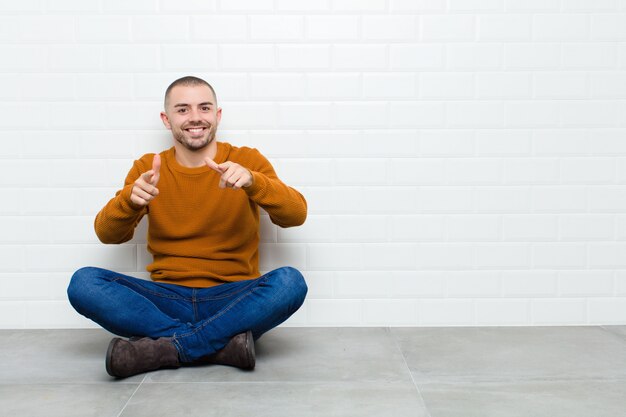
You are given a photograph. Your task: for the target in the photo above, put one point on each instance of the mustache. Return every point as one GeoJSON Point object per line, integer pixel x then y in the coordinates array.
{"type": "Point", "coordinates": [190, 125]}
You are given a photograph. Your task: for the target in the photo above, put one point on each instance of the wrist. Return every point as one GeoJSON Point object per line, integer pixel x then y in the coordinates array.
{"type": "Point", "coordinates": [250, 182]}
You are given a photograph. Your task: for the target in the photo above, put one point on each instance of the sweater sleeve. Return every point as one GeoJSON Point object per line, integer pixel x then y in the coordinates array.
{"type": "Point", "coordinates": [117, 220]}
{"type": "Point", "coordinates": [285, 206]}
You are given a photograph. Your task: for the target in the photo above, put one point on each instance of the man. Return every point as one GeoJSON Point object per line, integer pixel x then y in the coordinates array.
{"type": "Point", "coordinates": [206, 302]}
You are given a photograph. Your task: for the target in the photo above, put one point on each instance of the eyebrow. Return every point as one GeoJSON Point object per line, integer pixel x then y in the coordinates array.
{"type": "Point", "coordinates": [187, 105]}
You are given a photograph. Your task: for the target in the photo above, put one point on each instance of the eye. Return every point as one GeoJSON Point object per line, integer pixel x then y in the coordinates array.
{"type": "Point", "coordinates": [182, 110]}
{"type": "Point", "coordinates": [206, 108]}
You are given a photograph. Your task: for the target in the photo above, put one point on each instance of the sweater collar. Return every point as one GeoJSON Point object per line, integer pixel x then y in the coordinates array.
{"type": "Point", "coordinates": [220, 157]}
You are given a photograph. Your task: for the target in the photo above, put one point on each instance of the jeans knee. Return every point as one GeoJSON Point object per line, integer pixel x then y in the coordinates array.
{"type": "Point", "coordinates": [80, 283]}
{"type": "Point", "coordinates": [294, 280]}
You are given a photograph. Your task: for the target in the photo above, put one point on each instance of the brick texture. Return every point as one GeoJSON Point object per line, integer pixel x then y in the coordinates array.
{"type": "Point", "coordinates": [463, 161]}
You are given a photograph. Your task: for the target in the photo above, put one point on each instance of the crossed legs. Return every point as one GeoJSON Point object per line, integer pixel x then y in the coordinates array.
{"type": "Point", "coordinates": [199, 321]}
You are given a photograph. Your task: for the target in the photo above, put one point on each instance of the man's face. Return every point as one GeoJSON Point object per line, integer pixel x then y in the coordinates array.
{"type": "Point", "coordinates": [192, 115]}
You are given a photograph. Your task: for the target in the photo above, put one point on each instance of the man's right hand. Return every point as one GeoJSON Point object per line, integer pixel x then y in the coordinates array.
{"type": "Point", "coordinates": [145, 189]}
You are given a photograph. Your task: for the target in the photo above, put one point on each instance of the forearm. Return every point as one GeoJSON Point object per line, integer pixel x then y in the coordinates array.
{"type": "Point", "coordinates": [285, 206]}
{"type": "Point", "coordinates": [117, 220]}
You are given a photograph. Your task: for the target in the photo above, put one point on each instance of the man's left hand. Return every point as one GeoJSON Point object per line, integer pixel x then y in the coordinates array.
{"type": "Point", "coordinates": [232, 174]}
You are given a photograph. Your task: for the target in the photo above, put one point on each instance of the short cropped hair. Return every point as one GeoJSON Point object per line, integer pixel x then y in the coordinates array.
{"type": "Point", "coordinates": [187, 81]}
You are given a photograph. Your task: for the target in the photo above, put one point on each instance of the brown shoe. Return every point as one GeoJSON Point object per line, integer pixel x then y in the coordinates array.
{"type": "Point", "coordinates": [126, 358]}
{"type": "Point", "coordinates": [239, 352]}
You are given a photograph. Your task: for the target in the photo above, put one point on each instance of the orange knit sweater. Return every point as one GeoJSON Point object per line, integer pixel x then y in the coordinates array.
{"type": "Point", "coordinates": [201, 235]}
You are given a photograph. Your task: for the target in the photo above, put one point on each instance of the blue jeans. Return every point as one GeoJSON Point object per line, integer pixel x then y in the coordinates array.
{"type": "Point", "coordinates": [200, 321]}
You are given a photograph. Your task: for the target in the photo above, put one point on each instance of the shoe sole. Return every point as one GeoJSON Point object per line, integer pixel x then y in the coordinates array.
{"type": "Point", "coordinates": [250, 350]}
{"type": "Point", "coordinates": [108, 365]}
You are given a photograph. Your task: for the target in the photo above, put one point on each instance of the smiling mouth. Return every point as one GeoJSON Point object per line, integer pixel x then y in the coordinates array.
{"type": "Point", "coordinates": [195, 131]}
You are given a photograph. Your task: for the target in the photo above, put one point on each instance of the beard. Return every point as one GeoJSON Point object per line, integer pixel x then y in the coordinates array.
{"type": "Point", "coordinates": [180, 135]}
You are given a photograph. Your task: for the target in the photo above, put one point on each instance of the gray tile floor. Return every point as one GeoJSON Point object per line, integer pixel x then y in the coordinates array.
{"type": "Point", "coordinates": [436, 372]}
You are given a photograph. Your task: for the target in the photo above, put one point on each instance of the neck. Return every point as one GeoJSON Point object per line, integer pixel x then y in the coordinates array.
{"type": "Point", "coordinates": [195, 159]}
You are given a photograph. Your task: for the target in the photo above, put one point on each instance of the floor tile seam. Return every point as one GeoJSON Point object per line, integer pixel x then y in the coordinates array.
{"type": "Point", "coordinates": [132, 395]}
{"type": "Point", "coordinates": [72, 383]}
{"type": "Point", "coordinates": [616, 335]}
{"type": "Point", "coordinates": [470, 380]}
{"type": "Point", "coordinates": [314, 382]}
{"type": "Point", "coordinates": [406, 364]}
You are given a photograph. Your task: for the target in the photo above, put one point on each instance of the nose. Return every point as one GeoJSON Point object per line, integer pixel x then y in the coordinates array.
{"type": "Point", "coordinates": [194, 115]}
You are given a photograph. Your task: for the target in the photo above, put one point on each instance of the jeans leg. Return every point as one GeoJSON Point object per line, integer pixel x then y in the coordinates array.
{"type": "Point", "coordinates": [128, 306]}
{"type": "Point", "coordinates": [258, 305]}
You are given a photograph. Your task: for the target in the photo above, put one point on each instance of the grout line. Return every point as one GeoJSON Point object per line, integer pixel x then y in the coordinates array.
{"type": "Point", "coordinates": [613, 333]}
{"type": "Point", "coordinates": [132, 395]}
{"type": "Point", "coordinates": [395, 341]}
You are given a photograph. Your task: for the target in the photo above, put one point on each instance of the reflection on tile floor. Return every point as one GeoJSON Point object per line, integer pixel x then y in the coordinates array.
{"type": "Point", "coordinates": [437, 372]}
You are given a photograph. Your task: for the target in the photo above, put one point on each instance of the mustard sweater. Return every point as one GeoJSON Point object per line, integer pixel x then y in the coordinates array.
{"type": "Point", "coordinates": [201, 235]}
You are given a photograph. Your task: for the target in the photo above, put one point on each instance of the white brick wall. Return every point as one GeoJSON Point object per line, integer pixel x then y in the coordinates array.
{"type": "Point", "coordinates": [464, 161]}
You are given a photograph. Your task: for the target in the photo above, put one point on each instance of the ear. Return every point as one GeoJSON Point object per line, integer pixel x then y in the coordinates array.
{"type": "Point", "coordinates": [166, 120]}
{"type": "Point", "coordinates": [219, 115]}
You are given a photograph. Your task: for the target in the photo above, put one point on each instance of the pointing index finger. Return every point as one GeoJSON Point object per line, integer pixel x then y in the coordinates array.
{"type": "Point", "coordinates": [147, 176]}
{"type": "Point", "coordinates": [213, 165]}
{"type": "Point", "coordinates": [156, 166]}
{"type": "Point", "coordinates": [156, 163]}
